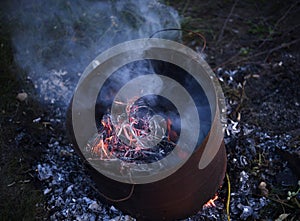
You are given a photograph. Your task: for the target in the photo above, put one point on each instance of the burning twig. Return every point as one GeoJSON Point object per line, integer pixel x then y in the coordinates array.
{"type": "Point", "coordinates": [211, 202]}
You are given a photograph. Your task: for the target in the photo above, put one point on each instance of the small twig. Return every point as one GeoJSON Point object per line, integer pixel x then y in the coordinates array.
{"type": "Point", "coordinates": [226, 21]}
{"type": "Point", "coordinates": [297, 202]}
{"type": "Point", "coordinates": [283, 209]}
{"type": "Point", "coordinates": [229, 61]}
{"type": "Point", "coordinates": [27, 171]}
{"type": "Point", "coordinates": [283, 45]}
{"type": "Point", "coordinates": [24, 181]}
{"type": "Point", "coordinates": [226, 62]}
{"type": "Point", "coordinates": [279, 201]}
{"type": "Point", "coordinates": [228, 197]}
{"type": "Point", "coordinates": [185, 7]}
{"type": "Point", "coordinates": [11, 184]}
{"type": "Point", "coordinates": [278, 22]}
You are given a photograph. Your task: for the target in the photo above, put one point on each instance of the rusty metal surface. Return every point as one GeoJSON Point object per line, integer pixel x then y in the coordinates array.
{"type": "Point", "coordinates": [179, 195]}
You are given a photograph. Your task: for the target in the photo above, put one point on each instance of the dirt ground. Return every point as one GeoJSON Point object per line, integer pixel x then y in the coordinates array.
{"type": "Point", "coordinates": [253, 46]}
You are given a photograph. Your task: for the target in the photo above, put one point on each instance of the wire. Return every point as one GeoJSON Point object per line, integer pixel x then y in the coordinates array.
{"type": "Point", "coordinates": [185, 30]}
{"type": "Point", "coordinates": [116, 200]}
{"type": "Point", "coordinates": [228, 197]}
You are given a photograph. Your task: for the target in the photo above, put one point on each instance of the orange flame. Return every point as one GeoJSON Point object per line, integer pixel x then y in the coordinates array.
{"type": "Point", "coordinates": [211, 202]}
{"type": "Point", "coordinates": [172, 135]}
{"type": "Point", "coordinates": [134, 130]}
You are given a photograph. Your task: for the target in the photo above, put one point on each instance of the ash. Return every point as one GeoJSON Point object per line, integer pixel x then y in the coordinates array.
{"type": "Point", "coordinates": [254, 166]}
{"type": "Point", "coordinates": [69, 190]}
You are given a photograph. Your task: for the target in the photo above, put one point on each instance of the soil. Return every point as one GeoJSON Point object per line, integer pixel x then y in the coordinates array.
{"type": "Point", "coordinates": [253, 46]}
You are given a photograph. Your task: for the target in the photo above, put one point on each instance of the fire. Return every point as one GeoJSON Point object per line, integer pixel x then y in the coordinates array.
{"type": "Point", "coordinates": [211, 202]}
{"type": "Point", "coordinates": [131, 137]}
{"type": "Point", "coordinates": [172, 135]}
{"type": "Point", "coordinates": [101, 148]}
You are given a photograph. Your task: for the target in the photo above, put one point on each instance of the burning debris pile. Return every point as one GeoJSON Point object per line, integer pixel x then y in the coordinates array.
{"type": "Point", "coordinates": [143, 135]}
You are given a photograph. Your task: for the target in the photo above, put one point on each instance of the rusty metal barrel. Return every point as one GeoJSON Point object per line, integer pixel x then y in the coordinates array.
{"type": "Point", "coordinates": [178, 84]}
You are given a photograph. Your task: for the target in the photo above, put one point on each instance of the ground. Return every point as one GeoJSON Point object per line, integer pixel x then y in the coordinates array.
{"type": "Point", "coordinates": [253, 46]}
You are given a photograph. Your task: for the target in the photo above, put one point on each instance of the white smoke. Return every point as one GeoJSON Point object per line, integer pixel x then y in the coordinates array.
{"type": "Point", "coordinates": [55, 40]}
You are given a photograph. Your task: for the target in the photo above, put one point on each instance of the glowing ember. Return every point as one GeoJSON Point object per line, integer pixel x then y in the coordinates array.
{"type": "Point", "coordinates": [211, 202]}
{"type": "Point", "coordinates": [137, 135]}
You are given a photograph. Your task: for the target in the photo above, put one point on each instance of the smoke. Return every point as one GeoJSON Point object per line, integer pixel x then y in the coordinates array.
{"type": "Point", "coordinates": [55, 40]}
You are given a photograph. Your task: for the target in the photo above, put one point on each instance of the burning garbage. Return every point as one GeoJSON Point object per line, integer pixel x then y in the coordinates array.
{"type": "Point", "coordinates": [150, 130]}
{"type": "Point", "coordinates": [144, 139]}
